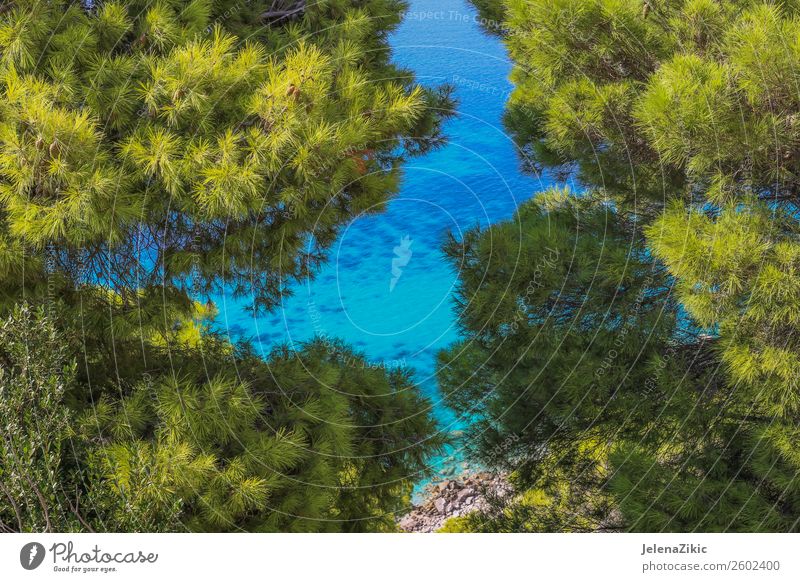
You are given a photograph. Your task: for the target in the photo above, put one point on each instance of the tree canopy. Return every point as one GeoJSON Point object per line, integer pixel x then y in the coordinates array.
{"type": "Point", "coordinates": [175, 144]}
{"type": "Point", "coordinates": [643, 376]}
{"type": "Point", "coordinates": [154, 156]}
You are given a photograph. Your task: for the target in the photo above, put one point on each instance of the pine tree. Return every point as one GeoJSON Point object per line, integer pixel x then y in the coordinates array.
{"type": "Point", "coordinates": [308, 441]}
{"type": "Point", "coordinates": [152, 156]}
{"type": "Point", "coordinates": [221, 440]}
{"type": "Point", "coordinates": [491, 15]}
{"type": "Point", "coordinates": [680, 118]}
{"type": "Point", "coordinates": [147, 143]}
{"type": "Point", "coordinates": [557, 304]}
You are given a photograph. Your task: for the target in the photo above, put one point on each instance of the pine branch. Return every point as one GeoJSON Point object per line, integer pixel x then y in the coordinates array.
{"type": "Point", "coordinates": [277, 12]}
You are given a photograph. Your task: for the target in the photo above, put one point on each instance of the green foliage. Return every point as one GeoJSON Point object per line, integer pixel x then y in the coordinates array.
{"type": "Point", "coordinates": [36, 425]}
{"type": "Point", "coordinates": [153, 134]}
{"type": "Point", "coordinates": [205, 437]}
{"type": "Point", "coordinates": [491, 14]}
{"type": "Point", "coordinates": [551, 302]}
{"type": "Point", "coordinates": [580, 66]}
{"type": "Point", "coordinates": [556, 304]}
{"type": "Point", "coordinates": [305, 441]}
{"type": "Point", "coordinates": [456, 525]}
{"type": "Point", "coordinates": [153, 155]}
{"type": "Point", "coordinates": [679, 118]}
{"type": "Point", "coordinates": [563, 497]}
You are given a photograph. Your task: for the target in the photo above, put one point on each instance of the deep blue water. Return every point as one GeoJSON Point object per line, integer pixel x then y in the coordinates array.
{"type": "Point", "coordinates": [475, 179]}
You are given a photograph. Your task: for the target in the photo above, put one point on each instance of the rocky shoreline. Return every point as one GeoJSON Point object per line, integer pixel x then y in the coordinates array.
{"type": "Point", "coordinates": [452, 498]}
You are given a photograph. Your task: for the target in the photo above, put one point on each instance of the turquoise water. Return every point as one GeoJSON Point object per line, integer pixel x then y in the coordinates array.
{"type": "Point", "coordinates": [402, 313]}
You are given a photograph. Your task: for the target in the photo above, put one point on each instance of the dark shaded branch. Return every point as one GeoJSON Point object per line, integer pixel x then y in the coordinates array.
{"type": "Point", "coordinates": [13, 504]}
{"type": "Point", "coordinates": [279, 11]}
{"type": "Point", "coordinates": [77, 513]}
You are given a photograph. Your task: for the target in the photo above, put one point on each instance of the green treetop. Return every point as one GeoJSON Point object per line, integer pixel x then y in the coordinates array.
{"type": "Point", "coordinates": [678, 119]}
{"type": "Point", "coordinates": [148, 143]}
{"type": "Point", "coordinates": [153, 155]}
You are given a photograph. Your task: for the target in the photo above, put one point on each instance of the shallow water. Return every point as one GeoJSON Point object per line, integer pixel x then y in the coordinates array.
{"type": "Point", "coordinates": [402, 312]}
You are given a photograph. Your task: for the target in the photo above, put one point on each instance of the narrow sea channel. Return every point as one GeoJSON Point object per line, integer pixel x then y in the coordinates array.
{"type": "Point", "coordinates": [402, 313]}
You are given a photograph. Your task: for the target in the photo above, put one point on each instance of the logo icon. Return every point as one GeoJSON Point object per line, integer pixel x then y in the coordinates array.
{"type": "Point", "coordinates": [31, 555]}
{"type": "Point", "coordinates": [403, 257]}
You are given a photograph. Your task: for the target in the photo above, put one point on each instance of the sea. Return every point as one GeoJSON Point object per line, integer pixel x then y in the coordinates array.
{"type": "Point", "coordinates": [387, 289]}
